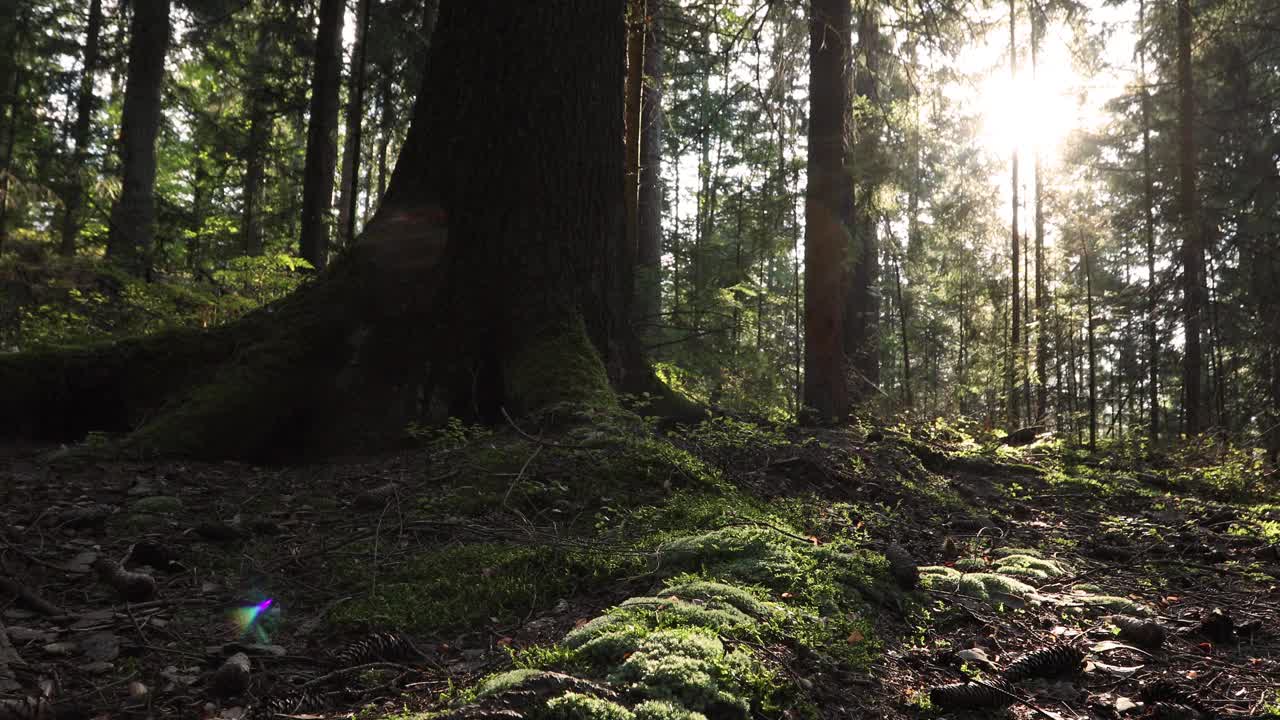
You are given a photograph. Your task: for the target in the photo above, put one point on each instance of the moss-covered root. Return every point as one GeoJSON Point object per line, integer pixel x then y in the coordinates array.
{"type": "Point", "coordinates": [60, 395]}
{"type": "Point", "coordinates": [555, 365]}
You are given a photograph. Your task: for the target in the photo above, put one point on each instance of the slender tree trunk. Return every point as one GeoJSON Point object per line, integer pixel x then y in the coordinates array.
{"type": "Point", "coordinates": [11, 32]}
{"type": "Point", "coordinates": [862, 299]}
{"type": "Point", "coordinates": [1015, 327]}
{"type": "Point", "coordinates": [199, 213]}
{"type": "Point", "coordinates": [349, 187]}
{"type": "Point", "coordinates": [1149, 235]}
{"type": "Point", "coordinates": [1042, 339]}
{"type": "Point", "coordinates": [1193, 234]}
{"type": "Point", "coordinates": [133, 216]}
{"type": "Point", "coordinates": [322, 136]}
{"type": "Point", "coordinates": [828, 208]}
{"type": "Point", "coordinates": [386, 126]}
{"type": "Point", "coordinates": [1093, 358]}
{"type": "Point", "coordinates": [649, 251]}
{"type": "Point", "coordinates": [80, 133]}
{"type": "Point", "coordinates": [258, 137]}
{"type": "Point", "coordinates": [907, 397]}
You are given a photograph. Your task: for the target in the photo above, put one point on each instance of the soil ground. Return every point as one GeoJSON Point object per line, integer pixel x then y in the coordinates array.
{"type": "Point", "coordinates": [389, 585]}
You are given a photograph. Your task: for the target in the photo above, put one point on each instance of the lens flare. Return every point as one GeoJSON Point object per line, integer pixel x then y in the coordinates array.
{"type": "Point", "coordinates": [249, 619]}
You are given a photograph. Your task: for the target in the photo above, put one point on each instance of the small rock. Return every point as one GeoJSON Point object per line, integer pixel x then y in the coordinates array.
{"type": "Point", "coordinates": [232, 678]}
{"type": "Point", "coordinates": [60, 649]}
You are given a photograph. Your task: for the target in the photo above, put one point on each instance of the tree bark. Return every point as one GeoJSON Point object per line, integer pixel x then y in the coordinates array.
{"type": "Point", "coordinates": [828, 209]}
{"type": "Point", "coordinates": [491, 262]}
{"type": "Point", "coordinates": [862, 297]}
{"type": "Point", "coordinates": [1093, 358]}
{"type": "Point", "coordinates": [349, 187]}
{"type": "Point", "coordinates": [1042, 337]}
{"type": "Point", "coordinates": [10, 84]}
{"type": "Point", "coordinates": [1015, 326]}
{"type": "Point", "coordinates": [80, 133]}
{"type": "Point", "coordinates": [649, 250]}
{"type": "Point", "coordinates": [633, 91]}
{"type": "Point", "coordinates": [131, 238]}
{"type": "Point", "coordinates": [1192, 232]}
{"type": "Point", "coordinates": [322, 136]}
{"type": "Point", "coordinates": [1149, 235]}
{"type": "Point", "coordinates": [259, 136]}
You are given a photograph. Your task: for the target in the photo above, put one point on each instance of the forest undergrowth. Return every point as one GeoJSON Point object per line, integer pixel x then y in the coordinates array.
{"type": "Point", "coordinates": [613, 569]}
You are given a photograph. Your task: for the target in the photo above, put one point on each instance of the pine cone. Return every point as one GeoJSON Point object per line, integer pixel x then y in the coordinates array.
{"type": "Point", "coordinates": [1143, 633]}
{"type": "Point", "coordinates": [1167, 692]}
{"type": "Point", "coordinates": [1046, 662]}
{"type": "Point", "coordinates": [902, 567]}
{"type": "Point", "coordinates": [378, 647]}
{"type": "Point", "coordinates": [1174, 711]}
{"type": "Point", "coordinates": [970, 695]}
{"type": "Point", "coordinates": [291, 703]}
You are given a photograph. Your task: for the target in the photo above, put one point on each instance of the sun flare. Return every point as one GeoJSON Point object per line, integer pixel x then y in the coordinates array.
{"type": "Point", "coordinates": [1032, 114]}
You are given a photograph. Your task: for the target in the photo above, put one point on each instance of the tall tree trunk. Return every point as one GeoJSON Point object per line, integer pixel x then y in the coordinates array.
{"type": "Point", "coordinates": [133, 216]}
{"type": "Point", "coordinates": [386, 126]}
{"type": "Point", "coordinates": [1192, 231]}
{"type": "Point", "coordinates": [1093, 358]}
{"type": "Point", "coordinates": [1042, 337]}
{"type": "Point", "coordinates": [349, 187]}
{"type": "Point", "coordinates": [907, 397]}
{"type": "Point", "coordinates": [862, 297]}
{"type": "Point", "coordinates": [11, 32]}
{"type": "Point", "coordinates": [259, 136]}
{"type": "Point", "coordinates": [828, 208]}
{"type": "Point", "coordinates": [649, 251]}
{"type": "Point", "coordinates": [1015, 326]}
{"type": "Point", "coordinates": [322, 136]}
{"type": "Point", "coordinates": [80, 133]}
{"type": "Point", "coordinates": [633, 92]}
{"type": "Point", "coordinates": [1149, 235]}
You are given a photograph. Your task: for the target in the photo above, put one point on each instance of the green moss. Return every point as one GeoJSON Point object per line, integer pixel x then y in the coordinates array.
{"type": "Point", "coordinates": [577, 706]}
{"type": "Point", "coordinates": [971, 564]}
{"type": "Point", "coordinates": [556, 365]}
{"type": "Point", "coordinates": [1006, 552]}
{"type": "Point", "coordinates": [980, 585]}
{"type": "Point", "coordinates": [688, 667]}
{"type": "Point", "coordinates": [1115, 604]}
{"type": "Point", "coordinates": [503, 682]}
{"type": "Point", "coordinates": [1030, 566]}
{"type": "Point", "coordinates": [665, 710]}
{"type": "Point", "coordinates": [673, 612]}
{"type": "Point", "coordinates": [691, 588]}
{"type": "Point", "coordinates": [470, 583]}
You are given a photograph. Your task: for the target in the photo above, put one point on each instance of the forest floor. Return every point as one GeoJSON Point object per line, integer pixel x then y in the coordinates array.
{"type": "Point", "coordinates": [731, 570]}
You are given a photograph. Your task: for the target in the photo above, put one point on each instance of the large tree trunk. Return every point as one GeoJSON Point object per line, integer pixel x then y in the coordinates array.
{"type": "Point", "coordinates": [133, 216]}
{"type": "Point", "coordinates": [80, 133]}
{"type": "Point", "coordinates": [828, 209]}
{"type": "Point", "coordinates": [349, 188]}
{"type": "Point", "coordinates": [649, 251]}
{"type": "Point", "coordinates": [487, 279]}
{"type": "Point", "coordinates": [862, 297]}
{"type": "Point", "coordinates": [322, 136]}
{"type": "Point", "coordinates": [1192, 232]}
